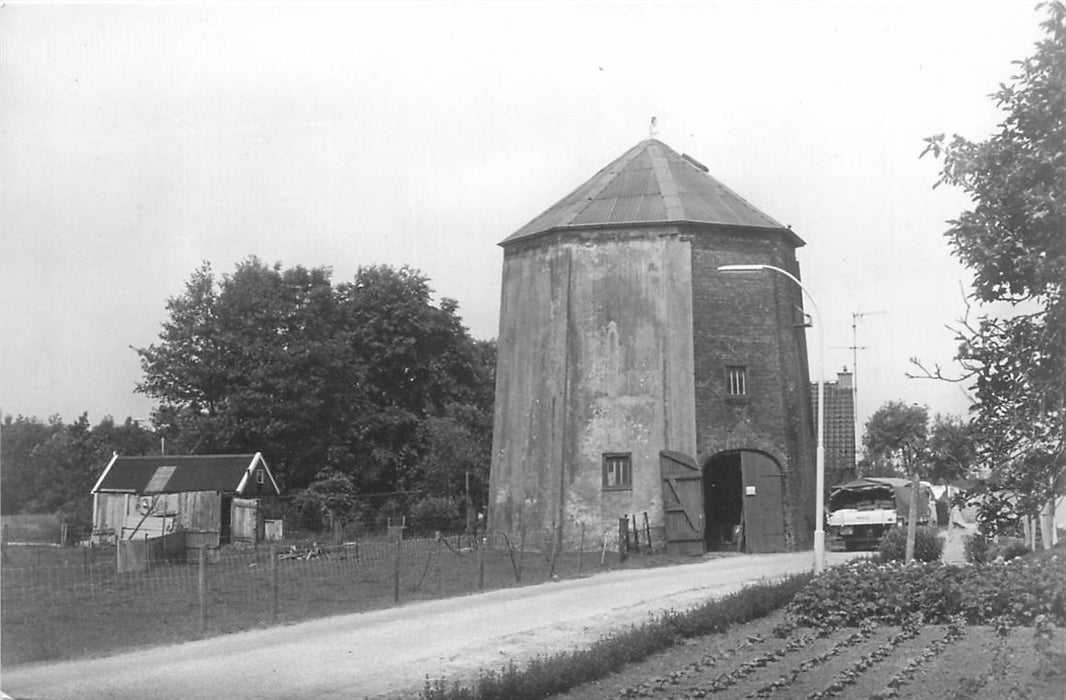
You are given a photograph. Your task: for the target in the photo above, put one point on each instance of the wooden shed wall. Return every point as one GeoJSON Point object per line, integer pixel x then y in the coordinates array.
{"type": "Point", "coordinates": [109, 511]}
{"type": "Point", "coordinates": [199, 513]}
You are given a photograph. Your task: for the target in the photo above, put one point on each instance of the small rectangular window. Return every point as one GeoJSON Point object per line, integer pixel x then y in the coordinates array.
{"type": "Point", "coordinates": [260, 477]}
{"type": "Point", "coordinates": [737, 378]}
{"type": "Point", "coordinates": [617, 471]}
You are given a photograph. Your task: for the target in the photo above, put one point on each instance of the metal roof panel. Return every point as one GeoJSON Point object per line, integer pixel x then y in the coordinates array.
{"type": "Point", "coordinates": [175, 473]}
{"type": "Point", "coordinates": [650, 183]}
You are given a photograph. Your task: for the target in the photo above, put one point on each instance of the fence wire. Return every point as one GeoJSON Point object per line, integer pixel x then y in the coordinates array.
{"type": "Point", "coordinates": [71, 590]}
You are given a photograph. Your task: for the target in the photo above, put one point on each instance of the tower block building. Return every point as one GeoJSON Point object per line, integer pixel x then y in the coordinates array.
{"type": "Point", "coordinates": [634, 377]}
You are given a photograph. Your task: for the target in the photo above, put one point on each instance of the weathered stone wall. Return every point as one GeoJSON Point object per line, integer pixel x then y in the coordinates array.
{"type": "Point", "coordinates": [595, 356]}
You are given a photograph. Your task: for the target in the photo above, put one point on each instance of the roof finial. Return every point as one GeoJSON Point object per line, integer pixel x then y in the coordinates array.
{"type": "Point", "coordinates": [652, 131]}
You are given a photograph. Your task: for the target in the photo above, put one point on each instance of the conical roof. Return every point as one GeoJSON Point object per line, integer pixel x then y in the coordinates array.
{"type": "Point", "coordinates": [650, 184]}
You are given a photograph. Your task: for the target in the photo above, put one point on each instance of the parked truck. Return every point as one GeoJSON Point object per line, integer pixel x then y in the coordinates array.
{"type": "Point", "coordinates": [863, 510]}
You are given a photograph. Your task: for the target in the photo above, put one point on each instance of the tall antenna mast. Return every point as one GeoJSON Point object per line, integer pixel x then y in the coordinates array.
{"type": "Point", "coordinates": [855, 347]}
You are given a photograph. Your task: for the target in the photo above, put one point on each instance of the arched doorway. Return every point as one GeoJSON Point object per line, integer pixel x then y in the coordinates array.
{"type": "Point", "coordinates": [722, 502]}
{"type": "Point", "coordinates": [742, 496]}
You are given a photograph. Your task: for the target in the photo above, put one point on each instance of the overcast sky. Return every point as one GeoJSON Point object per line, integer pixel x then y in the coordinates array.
{"type": "Point", "coordinates": [138, 140]}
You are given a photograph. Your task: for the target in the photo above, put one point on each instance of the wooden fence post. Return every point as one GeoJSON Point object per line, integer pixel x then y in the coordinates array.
{"type": "Point", "coordinates": [647, 530]}
{"type": "Point", "coordinates": [396, 572]}
{"type": "Point", "coordinates": [623, 537]}
{"type": "Point", "coordinates": [636, 535]}
{"type": "Point", "coordinates": [557, 544]}
{"type": "Point", "coordinates": [274, 581]}
{"type": "Point", "coordinates": [440, 566]}
{"type": "Point", "coordinates": [202, 586]}
{"type": "Point", "coordinates": [521, 554]}
{"type": "Point", "coordinates": [480, 566]}
{"type": "Point", "coordinates": [581, 550]}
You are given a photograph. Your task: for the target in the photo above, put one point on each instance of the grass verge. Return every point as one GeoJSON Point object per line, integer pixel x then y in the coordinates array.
{"type": "Point", "coordinates": [544, 676]}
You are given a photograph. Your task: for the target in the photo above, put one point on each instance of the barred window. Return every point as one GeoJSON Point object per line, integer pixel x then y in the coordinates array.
{"type": "Point", "coordinates": [617, 471]}
{"type": "Point", "coordinates": [737, 380]}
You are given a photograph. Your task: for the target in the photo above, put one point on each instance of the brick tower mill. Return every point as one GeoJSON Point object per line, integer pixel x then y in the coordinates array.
{"type": "Point", "coordinates": [634, 377]}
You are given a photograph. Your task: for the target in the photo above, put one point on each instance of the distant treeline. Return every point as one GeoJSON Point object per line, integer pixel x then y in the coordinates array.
{"type": "Point", "coordinates": [50, 466]}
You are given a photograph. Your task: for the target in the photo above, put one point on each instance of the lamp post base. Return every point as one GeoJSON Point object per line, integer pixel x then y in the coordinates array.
{"type": "Point", "coordinates": [819, 551]}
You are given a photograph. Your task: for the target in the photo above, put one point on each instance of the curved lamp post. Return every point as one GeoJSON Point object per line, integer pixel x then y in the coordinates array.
{"type": "Point", "coordinates": [819, 497]}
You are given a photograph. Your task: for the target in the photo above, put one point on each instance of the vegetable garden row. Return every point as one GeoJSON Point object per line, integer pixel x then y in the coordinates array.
{"type": "Point", "coordinates": [952, 661]}
{"type": "Point", "coordinates": [867, 629]}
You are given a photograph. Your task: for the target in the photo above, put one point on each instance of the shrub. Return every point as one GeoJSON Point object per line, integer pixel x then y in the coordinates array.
{"type": "Point", "coordinates": [435, 513]}
{"type": "Point", "coordinates": [1017, 591]}
{"type": "Point", "coordinates": [976, 548]}
{"type": "Point", "coordinates": [1010, 548]}
{"type": "Point", "coordinates": [981, 550]}
{"type": "Point", "coordinates": [927, 544]}
{"type": "Point", "coordinates": [330, 496]}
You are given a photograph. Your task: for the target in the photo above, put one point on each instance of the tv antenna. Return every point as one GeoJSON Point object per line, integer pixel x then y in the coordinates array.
{"type": "Point", "coordinates": [855, 347]}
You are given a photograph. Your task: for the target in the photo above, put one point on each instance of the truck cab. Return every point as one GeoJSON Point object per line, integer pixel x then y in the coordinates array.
{"type": "Point", "coordinates": [863, 510]}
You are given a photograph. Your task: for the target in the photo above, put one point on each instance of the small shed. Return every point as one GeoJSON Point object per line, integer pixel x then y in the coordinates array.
{"type": "Point", "coordinates": [211, 498]}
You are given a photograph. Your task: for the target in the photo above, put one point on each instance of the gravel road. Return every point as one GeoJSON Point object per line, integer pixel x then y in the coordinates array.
{"type": "Point", "coordinates": [389, 653]}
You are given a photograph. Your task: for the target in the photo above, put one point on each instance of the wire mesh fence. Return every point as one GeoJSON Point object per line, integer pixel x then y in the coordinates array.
{"type": "Point", "coordinates": [60, 602]}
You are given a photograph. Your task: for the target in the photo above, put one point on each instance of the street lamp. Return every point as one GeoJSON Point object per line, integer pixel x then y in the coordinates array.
{"type": "Point", "coordinates": [819, 497]}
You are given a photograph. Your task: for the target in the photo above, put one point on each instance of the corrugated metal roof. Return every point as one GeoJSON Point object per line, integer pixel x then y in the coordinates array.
{"type": "Point", "coordinates": [650, 183]}
{"type": "Point", "coordinates": [178, 473]}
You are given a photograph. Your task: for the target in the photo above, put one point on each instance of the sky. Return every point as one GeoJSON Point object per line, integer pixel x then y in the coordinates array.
{"type": "Point", "coordinates": [138, 141]}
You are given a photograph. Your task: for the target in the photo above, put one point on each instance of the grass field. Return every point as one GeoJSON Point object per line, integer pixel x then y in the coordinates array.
{"type": "Point", "coordinates": [70, 602]}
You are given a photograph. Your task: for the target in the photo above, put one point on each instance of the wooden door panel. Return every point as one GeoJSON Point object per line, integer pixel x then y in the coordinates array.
{"type": "Point", "coordinates": [245, 519]}
{"type": "Point", "coordinates": [764, 518]}
{"type": "Point", "coordinates": [682, 501]}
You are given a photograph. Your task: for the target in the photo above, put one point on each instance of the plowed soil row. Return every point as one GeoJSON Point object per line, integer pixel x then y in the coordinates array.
{"type": "Point", "coordinates": [879, 662]}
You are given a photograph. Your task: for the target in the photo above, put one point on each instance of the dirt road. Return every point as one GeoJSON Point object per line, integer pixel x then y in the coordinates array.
{"type": "Point", "coordinates": [390, 652]}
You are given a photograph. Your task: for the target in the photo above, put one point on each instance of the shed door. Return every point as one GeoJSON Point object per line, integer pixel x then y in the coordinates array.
{"type": "Point", "coordinates": [244, 522]}
{"type": "Point", "coordinates": [682, 503]}
{"type": "Point", "coordinates": [764, 517]}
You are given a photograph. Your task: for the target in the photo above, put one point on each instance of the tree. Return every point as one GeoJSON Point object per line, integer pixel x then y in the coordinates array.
{"type": "Point", "coordinates": [330, 499]}
{"type": "Point", "coordinates": [420, 361]}
{"type": "Point", "coordinates": [951, 449]}
{"type": "Point", "coordinates": [458, 445]}
{"type": "Point", "coordinates": [896, 436]}
{"type": "Point", "coordinates": [897, 433]}
{"type": "Point", "coordinates": [340, 379]}
{"type": "Point", "coordinates": [258, 358]}
{"type": "Point", "coordinates": [1012, 239]}
{"type": "Point", "coordinates": [51, 467]}
{"type": "Point", "coordinates": [19, 437]}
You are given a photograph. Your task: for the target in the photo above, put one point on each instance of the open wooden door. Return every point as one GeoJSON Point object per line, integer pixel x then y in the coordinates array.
{"type": "Point", "coordinates": [764, 515]}
{"type": "Point", "coordinates": [682, 503]}
{"type": "Point", "coordinates": [244, 521]}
